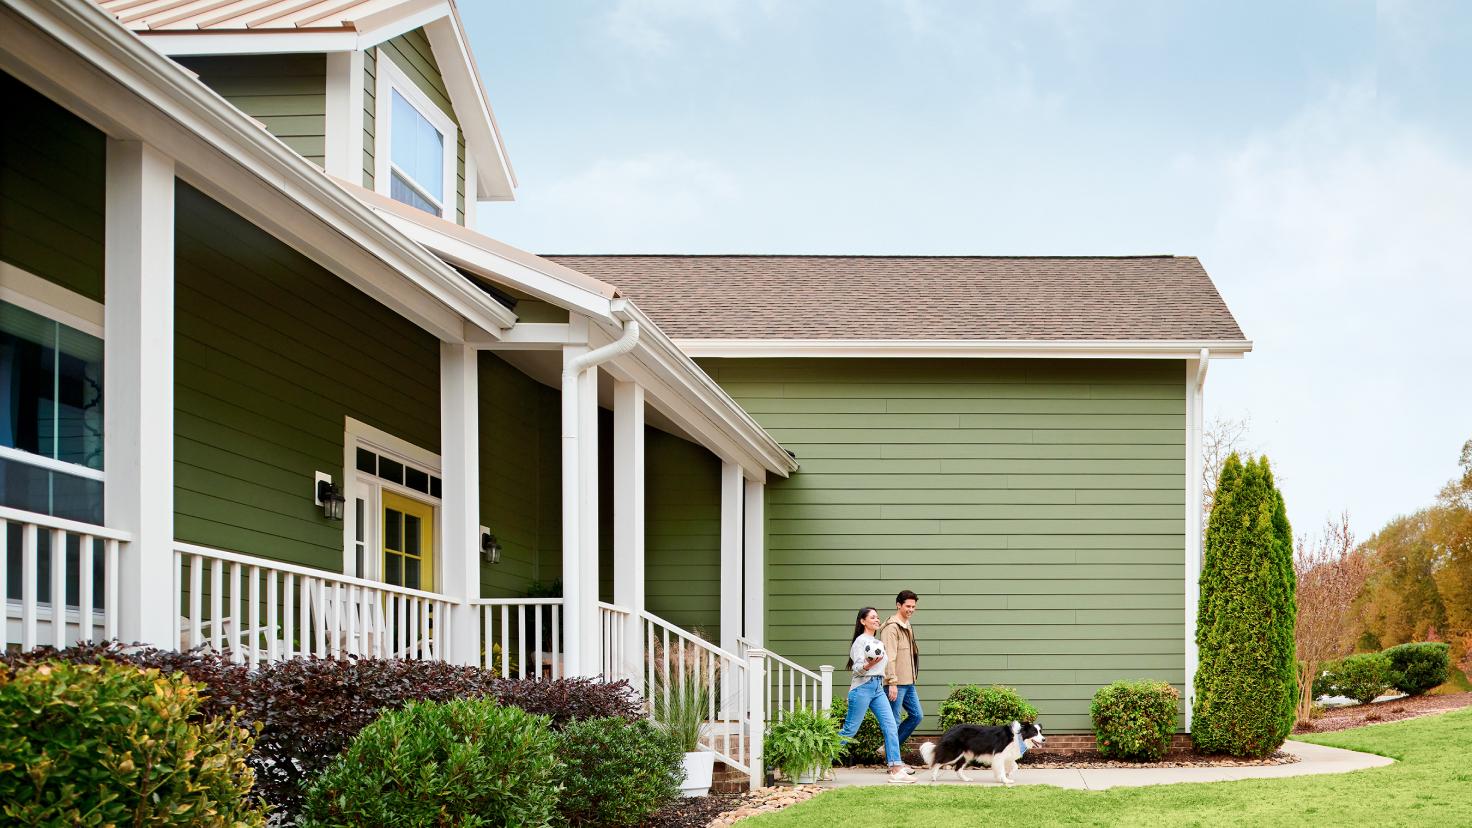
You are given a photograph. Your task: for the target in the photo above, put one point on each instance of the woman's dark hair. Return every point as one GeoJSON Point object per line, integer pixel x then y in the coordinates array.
{"type": "Point", "coordinates": [858, 631]}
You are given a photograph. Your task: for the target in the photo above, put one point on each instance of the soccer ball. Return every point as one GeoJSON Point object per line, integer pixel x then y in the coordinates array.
{"type": "Point", "coordinates": [872, 649]}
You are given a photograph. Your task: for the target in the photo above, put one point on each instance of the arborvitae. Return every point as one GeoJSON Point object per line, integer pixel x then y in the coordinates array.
{"type": "Point", "coordinates": [1246, 688]}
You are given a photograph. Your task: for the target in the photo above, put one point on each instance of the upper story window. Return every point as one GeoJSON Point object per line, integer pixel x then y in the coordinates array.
{"type": "Point", "coordinates": [416, 140]}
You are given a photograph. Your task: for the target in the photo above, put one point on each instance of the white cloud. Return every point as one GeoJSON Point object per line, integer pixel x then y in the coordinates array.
{"type": "Point", "coordinates": [649, 26]}
{"type": "Point", "coordinates": [649, 202]}
{"type": "Point", "coordinates": [1342, 245]}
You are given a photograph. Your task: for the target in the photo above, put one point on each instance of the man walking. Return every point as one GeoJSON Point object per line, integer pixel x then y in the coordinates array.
{"type": "Point", "coordinates": [904, 664]}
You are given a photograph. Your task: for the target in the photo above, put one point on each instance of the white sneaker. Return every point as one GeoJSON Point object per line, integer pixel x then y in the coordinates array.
{"type": "Point", "coordinates": [900, 778]}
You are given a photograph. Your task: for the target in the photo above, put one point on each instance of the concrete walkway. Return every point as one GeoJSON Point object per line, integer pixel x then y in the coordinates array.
{"type": "Point", "coordinates": [1314, 759]}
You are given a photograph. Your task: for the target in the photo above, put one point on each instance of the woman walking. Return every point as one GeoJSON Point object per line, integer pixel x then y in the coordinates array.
{"type": "Point", "coordinates": [866, 660]}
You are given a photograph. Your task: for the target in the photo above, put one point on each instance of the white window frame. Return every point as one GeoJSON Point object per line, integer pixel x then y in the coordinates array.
{"type": "Point", "coordinates": [46, 298]}
{"type": "Point", "coordinates": [393, 78]}
{"type": "Point", "coordinates": [356, 484]}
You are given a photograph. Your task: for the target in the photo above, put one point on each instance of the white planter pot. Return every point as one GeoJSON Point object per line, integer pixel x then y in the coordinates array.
{"type": "Point", "coordinates": [807, 777]}
{"type": "Point", "coordinates": [698, 768]}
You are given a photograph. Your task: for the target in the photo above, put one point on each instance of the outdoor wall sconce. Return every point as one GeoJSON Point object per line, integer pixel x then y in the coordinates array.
{"type": "Point", "coordinates": [329, 496]}
{"type": "Point", "coordinates": [490, 548]}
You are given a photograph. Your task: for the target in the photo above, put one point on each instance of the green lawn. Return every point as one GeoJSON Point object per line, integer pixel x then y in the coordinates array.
{"type": "Point", "coordinates": [1430, 784]}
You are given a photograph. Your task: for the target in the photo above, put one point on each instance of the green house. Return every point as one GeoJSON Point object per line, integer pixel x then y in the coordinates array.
{"type": "Point", "coordinates": [268, 392]}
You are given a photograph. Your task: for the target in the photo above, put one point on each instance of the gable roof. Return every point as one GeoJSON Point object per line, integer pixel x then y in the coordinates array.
{"type": "Point", "coordinates": [1048, 301]}
{"type": "Point", "coordinates": [235, 27]}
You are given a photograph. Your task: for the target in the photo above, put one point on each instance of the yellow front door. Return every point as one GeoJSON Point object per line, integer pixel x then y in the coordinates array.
{"type": "Point", "coordinates": [408, 542]}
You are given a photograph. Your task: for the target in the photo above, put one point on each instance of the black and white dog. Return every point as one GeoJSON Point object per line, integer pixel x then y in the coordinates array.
{"type": "Point", "coordinates": [1002, 744]}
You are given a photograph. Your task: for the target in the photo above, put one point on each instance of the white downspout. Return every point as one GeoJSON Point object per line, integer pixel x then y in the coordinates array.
{"type": "Point", "coordinates": [579, 579]}
{"type": "Point", "coordinates": [1194, 528]}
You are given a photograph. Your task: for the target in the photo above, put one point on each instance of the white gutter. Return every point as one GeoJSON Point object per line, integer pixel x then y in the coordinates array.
{"type": "Point", "coordinates": [1201, 368]}
{"type": "Point", "coordinates": [961, 348]}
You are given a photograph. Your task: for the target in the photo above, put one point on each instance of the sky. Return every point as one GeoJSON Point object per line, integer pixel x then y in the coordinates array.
{"type": "Point", "coordinates": [1316, 156]}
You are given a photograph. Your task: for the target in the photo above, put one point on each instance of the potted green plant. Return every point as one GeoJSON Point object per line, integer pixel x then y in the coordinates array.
{"type": "Point", "coordinates": [680, 700]}
{"type": "Point", "coordinates": [802, 743]}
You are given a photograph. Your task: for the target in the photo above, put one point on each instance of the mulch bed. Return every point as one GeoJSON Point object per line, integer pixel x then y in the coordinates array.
{"type": "Point", "coordinates": [1390, 710]}
{"type": "Point", "coordinates": [695, 812]}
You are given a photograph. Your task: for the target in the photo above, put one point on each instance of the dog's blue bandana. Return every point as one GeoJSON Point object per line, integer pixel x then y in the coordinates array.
{"type": "Point", "coordinates": [1021, 745]}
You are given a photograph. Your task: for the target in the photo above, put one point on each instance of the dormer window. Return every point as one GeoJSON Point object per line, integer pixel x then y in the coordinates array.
{"type": "Point", "coordinates": [414, 158]}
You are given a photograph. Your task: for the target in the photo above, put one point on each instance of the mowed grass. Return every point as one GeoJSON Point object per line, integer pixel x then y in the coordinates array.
{"type": "Point", "coordinates": [1430, 784]}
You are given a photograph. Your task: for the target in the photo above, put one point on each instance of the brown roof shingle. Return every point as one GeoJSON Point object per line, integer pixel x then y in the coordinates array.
{"type": "Point", "coordinates": [921, 297]}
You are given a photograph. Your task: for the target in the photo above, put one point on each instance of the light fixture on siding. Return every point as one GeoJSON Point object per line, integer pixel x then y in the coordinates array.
{"type": "Point", "coordinates": [490, 548]}
{"type": "Point", "coordinates": [329, 496]}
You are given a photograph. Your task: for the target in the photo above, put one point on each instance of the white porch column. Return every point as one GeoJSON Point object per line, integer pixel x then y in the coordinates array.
{"type": "Point", "coordinates": [138, 385]}
{"type": "Point", "coordinates": [754, 542]}
{"type": "Point", "coordinates": [579, 518]}
{"type": "Point", "coordinates": [628, 517]}
{"type": "Point", "coordinates": [732, 525]}
{"type": "Point", "coordinates": [460, 504]}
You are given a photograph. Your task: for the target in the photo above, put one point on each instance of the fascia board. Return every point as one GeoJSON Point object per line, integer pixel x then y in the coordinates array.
{"type": "Point", "coordinates": [185, 43]}
{"type": "Point", "coordinates": [105, 45]}
{"type": "Point", "coordinates": [959, 349]}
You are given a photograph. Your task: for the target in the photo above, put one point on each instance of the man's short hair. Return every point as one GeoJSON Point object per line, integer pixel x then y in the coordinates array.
{"type": "Point", "coordinates": [906, 595]}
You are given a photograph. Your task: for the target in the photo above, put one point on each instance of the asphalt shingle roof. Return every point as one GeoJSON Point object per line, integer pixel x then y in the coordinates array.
{"type": "Point", "coordinates": [921, 297]}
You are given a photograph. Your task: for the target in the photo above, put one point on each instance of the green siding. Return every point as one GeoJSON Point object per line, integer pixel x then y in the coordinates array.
{"type": "Point", "coordinates": [1036, 506]}
{"type": "Point", "coordinates": [682, 577]}
{"type": "Point", "coordinates": [370, 111]}
{"type": "Point", "coordinates": [411, 52]}
{"type": "Point", "coordinates": [272, 353]}
{"type": "Point", "coordinates": [517, 461]}
{"type": "Point", "coordinates": [53, 169]}
{"type": "Point", "coordinates": [287, 93]}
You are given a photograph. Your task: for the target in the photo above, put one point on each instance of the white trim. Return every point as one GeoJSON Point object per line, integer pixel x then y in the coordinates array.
{"type": "Point", "coordinates": [37, 295]}
{"type": "Point", "coordinates": [16, 455]}
{"type": "Point", "coordinates": [733, 521]}
{"type": "Point", "coordinates": [629, 514]}
{"type": "Point", "coordinates": [359, 484]}
{"type": "Point", "coordinates": [467, 95]}
{"type": "Point", "coordinates": [1195, 380]}
{"type": "Point", "coordinates": [184, 43]}
{"type": "Point", "coordinates": [471, 199]}
{"type": "Point", "coordinates": [385, 442]}
{"type": "Point", "coordinates": [959, 348]}
{"type": "Point", "coordinates": [458, 544]}
{"type": "Point", "coordinates": [392, 78]}
{"type": "Point", "coordinates": [344, 151]}
{"type": "Point", "coordinates": [754, 563]}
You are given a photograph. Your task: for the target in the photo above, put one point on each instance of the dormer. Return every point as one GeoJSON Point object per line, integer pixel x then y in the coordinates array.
{"type": "Point", "coordinates": [379, 92]}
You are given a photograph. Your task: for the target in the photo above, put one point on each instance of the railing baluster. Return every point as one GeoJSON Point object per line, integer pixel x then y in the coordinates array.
{"type": "Point", "coordinates": [505, 642]}
{"type": "Point", "coordinates": [196, 598]}
{"type": "Point", "coordinates": [178, 590]}
{"type": "Point", "coordinates": [85, 587]}
{"type": "Point", "coordinates": [272, 619]}
{"type": "Point", "coordinates": [110, 591]}
{"type": "Point", "coordinates": [28, 587]}
{"type": "Point", "coordinates": [4, 580]}
{"type": "Point", "coordinates": [537, 653]}
{"type": "Point", "coordinates": [288, 628]}
{"type": "Point", "coordinates": [217, 604]}
{"type": "Point", "coordinates": [558, 668]}
{"type": "Point", "coordinates": [253, 616]}
{"type": "Point", "coordinates": [521, 641]}
{"type": "Point", "coordinates": [58, 589]}
{"type": "Point", "coordinates": [235, 628]}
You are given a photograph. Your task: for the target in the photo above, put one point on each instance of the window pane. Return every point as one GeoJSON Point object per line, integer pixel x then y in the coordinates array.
{"type": "Point", "coordinates": [411, 535]}
{"type": "Point", "coordinates": [418, 148]}
{"type": "Point", "coordinates": [402, 192]}
{"type": "Point", "coordinates": [391, 572]}
{"type": "Point", "coordinates": [367, 461]}
{"type": "Point", "coordinates": [393, 532]}
{"type": "Point", "coordinates": [50, 388]}
{"type": "Point", "coordinates": [411, 573]}
{"type": "Point", "coordinates": [390, 470]}
{"type": "Point", "coordinates": [416, 479]}
{"type": "Point", "coordinates": [23, 486]}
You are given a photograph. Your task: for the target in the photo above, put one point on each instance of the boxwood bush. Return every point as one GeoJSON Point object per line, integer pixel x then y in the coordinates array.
{"type": "Point", "coordinates": [468, 762]}
{"type": "Point", "coordinates": [309, 710]}
{"type": "Point", "coordinates": [866, 744]}
{"type": "Point", "coordinates": [1133, 720]}
{"type": "Point", "coordinates": [110, 744]}
{"type": "Point", "coordinates": [995, 705]}
{"type": "Point", "coordinates": [1361, 677]}
{"type": "Point", "coordinates": [1418, 666]}
{"type": "Point", "coordinates": [616, 772]}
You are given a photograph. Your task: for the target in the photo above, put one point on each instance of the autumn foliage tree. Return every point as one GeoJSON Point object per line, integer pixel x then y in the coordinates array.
{"type": "Point", "coordinates": [1330, 572]}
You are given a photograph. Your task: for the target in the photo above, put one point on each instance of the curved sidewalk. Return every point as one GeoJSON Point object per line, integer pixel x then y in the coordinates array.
{"type": "Point", "coordinates": [1314, 759]}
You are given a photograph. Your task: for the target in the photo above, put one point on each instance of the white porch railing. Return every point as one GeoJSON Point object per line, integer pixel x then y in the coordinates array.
{"type": "Point", "coordinates": [790, 686]}
{"type": "Point", "coordinates": [68, 587]}
{"type": "Point", "coordinates": [262, 610]}
{"type": "Point", "coordinates": [675, 658]}
{"type": "Point", "coordinates": [613, 635]}
{"type": "Point", "coordinates": [521, 621]}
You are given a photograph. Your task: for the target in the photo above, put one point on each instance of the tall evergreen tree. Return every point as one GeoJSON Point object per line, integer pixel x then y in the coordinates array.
{"type": "Point", "coordinates": [1245, 681]}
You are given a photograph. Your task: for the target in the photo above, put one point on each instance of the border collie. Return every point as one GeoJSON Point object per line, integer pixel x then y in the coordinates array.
{"type": "Point", "coordinates": [1002, 744]}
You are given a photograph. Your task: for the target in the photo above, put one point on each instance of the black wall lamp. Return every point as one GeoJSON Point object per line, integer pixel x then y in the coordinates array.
{"type": "Point", "coordinates": [490, 548]}
{"type": "Point", "coordinates": [328, 495]}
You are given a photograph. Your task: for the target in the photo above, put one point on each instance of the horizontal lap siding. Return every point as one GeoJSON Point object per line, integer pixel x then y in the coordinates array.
{"type": "Point", "coordinates": [53, 169]}
{"type": "Point", "coordinates": [271, 354]}
{"type": "Point", "coordinates": [1036, 506]}
{"type": "Point", "coordinates": [286, 93]}
{"type": "Point", "coordinates": [683, 533]}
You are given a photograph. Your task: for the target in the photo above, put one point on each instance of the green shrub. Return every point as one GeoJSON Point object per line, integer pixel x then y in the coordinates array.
{"type": "Point", "coordinates": [109, 744]}
{"type": "Point", "coordinates": [468, 763]}
{"type": "Point", "coordinates": [1134, 719]}
{"type": "Point", "coordinates": [802, 741]}
{"type": "Point", "coordinates": [995, 705]}
{"type": "Point", "coordinates": [866, 744]}
{"type": "Point", "coordinates": [617, 772]}
{"type": "Point", "coordinates": [1418, 667]}
{"type": "Point", "coordinates": [1246, 690]}
{"type": "Point", "coordinates": [1362, 677]}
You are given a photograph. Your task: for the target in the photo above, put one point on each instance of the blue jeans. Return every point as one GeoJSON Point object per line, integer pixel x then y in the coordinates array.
{"type": "Point", "coordinates": [868, 696]}
{"type": "Point", "coordinates": [908, 700]}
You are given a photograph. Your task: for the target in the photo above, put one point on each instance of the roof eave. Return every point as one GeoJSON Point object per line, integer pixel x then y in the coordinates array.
{"type": "Point", "coordinates": [964, 348]}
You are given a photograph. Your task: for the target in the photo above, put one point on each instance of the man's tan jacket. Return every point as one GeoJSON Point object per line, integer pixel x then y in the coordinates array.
{"type": "Point", "coordinates": [904, 656]}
